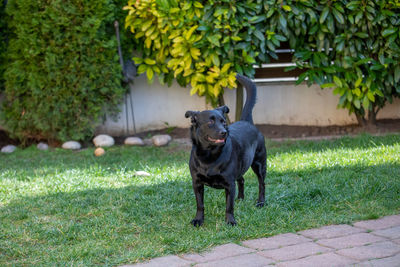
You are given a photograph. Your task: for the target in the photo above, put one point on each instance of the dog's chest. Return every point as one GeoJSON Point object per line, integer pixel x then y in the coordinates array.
{"type": "Point", "coordinates": [215, 181]}
{"type": "Point", "coordinates": [208, 174]}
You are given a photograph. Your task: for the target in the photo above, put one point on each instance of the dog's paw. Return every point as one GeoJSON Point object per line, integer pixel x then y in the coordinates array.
{"type": "Point", "coordinates": [197, 222]}
{"type": "Point", "coordinates": [230, 220]}
{"type": "Point", "coordinates": [232, 223]}
{"type": "Point", "coordinates": [260, 204]}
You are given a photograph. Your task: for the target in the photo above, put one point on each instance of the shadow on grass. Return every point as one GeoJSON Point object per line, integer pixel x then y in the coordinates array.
{"type": "Point", "coordinates": [131, 223]}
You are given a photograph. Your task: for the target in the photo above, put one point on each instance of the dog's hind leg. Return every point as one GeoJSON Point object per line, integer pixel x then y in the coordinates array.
{"type": "Point", "coordinates": [260, 169]}
{"type": "Point", "coordinates": [240, 182]}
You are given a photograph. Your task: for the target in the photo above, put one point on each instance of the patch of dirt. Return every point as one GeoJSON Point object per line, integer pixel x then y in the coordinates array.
{"type": "Point", "coordinates": [289, 131]}
{"type": "Point", "coordinates": [6, 140]}
{"type": "Point", "coordinates": [269, 131]}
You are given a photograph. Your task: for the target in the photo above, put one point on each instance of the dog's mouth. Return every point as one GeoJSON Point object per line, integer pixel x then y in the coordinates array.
{"type": "Point", "coordinates": [217, 141]}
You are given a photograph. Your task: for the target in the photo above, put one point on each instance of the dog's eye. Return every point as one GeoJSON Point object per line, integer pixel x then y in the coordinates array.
{"type": "Point", "coordinates": [211, 121]}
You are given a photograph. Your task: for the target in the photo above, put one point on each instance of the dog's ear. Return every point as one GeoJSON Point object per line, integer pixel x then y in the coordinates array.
{"type": "Point", "coordinates": [224, 110]}
{"type": "Point", "coordinates": [192, 115]}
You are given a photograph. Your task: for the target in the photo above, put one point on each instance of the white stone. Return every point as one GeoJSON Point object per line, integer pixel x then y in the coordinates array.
{"type": "Point", "coordinates": [8, 149]}
{"type": "Point", "coordinates": [134, 141]}
{"type": "Point", "coordinates": [103, 140]}
{"type": "Point", "coordinates": [71, 145]}
{"type": "Point", "coordinates": [142, 173]}
{"type": "Point", "coordinates": [42, 146]}
{"type": "Point", "coordinates": [161, 140]}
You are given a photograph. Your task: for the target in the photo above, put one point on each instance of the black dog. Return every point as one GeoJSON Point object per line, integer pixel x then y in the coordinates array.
{"type": "Point", "coordinates": [222, 154]}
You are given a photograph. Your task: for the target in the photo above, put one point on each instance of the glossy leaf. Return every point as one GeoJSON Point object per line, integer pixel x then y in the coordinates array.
{"type": "Point", "coordinates": [389, 31]}
{"type": "Point", "coordinates": [324, 14]}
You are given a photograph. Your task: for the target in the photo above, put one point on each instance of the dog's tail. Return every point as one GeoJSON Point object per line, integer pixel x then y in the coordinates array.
{"type": "Point", "coordinates": [251, 94]}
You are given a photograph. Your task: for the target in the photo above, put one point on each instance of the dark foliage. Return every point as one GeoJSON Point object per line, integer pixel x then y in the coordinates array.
{"type": "Point", "coordinates": [63, 71]}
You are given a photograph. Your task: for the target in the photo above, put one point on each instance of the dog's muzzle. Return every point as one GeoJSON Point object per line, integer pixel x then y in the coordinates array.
{"type": "Point", "coordinates": [219, 140]}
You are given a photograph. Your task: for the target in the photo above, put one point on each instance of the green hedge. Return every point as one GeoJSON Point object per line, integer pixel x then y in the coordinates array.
{"type": "Point", "coordinates": [354, 47]}
{"type": "Point", "coordinates": [351, 45]}
{"type": "Point", "coordinates": [3, 43]}
{"type": "Point", "coordinates": [63, 71]}
{"type": "Point", "coordinates": [201, 43]}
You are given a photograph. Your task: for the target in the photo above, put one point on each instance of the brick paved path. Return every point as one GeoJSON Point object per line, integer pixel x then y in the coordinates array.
{"type": "Point", "coordinates": [366, 243]}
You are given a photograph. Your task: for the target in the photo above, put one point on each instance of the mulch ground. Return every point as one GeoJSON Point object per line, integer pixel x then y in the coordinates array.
{"type": "Point", "coordinates": [288, 131]}
{"type": "Point", "coordinates": [269, 131]}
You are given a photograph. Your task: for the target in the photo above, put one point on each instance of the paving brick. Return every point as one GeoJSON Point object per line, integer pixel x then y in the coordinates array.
{"type": "Point", "coordinates": [349, 241]}
{"type": "Point", "coordinates": [385, 262]}
{"type": "Point", "coordinates": [174, 261]}
{"type": "Point", "coordinates": [248, 260]}
{"type": "Point", "coordinates": [382, 223]}
{"type": "Point", "coordinates": [294, 252]}
{"type": "Point", "coordinates": [331, 231]}
{"type": "Point", "coordinates": [391, 233]}
{"type": "Point", "coordinates": [218, 253]}
{"type": "Point", "coordinates": [275, 241]}
{"type": "Point", "coordinates": [373, 251]}
{"type": "Point", "coordinates": [328, 259]}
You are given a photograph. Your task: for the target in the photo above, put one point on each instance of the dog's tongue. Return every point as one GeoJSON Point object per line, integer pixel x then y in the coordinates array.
{"type": "Point", "coordinates": [216, 140]}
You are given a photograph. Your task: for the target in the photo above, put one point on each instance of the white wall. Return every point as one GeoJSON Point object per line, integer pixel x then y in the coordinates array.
{"type": "Point", "coordinates": [155, 106]}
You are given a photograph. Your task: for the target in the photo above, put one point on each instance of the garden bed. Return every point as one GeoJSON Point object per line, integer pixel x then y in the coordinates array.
{"type": "Point", "coordinates": [289, 131]}
{"type": "Point", "coordinates": [269, 131]}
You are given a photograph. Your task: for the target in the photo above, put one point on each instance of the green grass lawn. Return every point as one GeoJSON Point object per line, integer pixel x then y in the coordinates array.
{"type": "Point", "coordinates": [70, 208]}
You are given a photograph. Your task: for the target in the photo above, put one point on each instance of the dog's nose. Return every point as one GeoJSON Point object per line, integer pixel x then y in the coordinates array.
{"type": "Point", "coordinates": [222, 133]}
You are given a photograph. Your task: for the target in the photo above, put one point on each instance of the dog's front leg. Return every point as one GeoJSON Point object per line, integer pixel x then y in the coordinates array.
{"type": "Point", "coordinates": [198, 189]}
{"type": "Point", "coordinates": [230, 193]}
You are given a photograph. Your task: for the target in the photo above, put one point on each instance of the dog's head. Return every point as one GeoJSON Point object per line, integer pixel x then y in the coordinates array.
{"type": "Point", "coordinates": [209, 127]}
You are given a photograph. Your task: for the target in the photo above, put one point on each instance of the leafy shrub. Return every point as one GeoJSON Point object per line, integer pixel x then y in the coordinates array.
{"type": "Point", "coordinates": [3, 43]}
{"type": "Point", "coordinates": [201, 43]}
{"type": "Point", "coordinates": [63, 70]}
{"type": "Point", "coordinates": [350, 45]}
{"type": "Point", "coordinates": [354, 47]}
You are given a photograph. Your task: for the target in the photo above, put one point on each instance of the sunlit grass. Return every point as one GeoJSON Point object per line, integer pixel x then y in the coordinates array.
{"type": "Point", "coordinates": [70, 208]}
{"type": "Point", "coordinates": [335, 158]}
